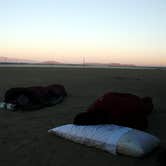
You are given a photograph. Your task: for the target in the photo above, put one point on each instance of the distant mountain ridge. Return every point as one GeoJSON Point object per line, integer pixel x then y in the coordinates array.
{"type": "Point", "coordinates": [50, 62]}
{"type": "Point", "coordinates": [19, 60]}
{"type": "Point", "coordinates": [8, 60]}
{"type": "Point", "coordinates": [110, 64]}
{"type": "Point", "coordinates": [119, 64]}
{"type": "Point", "coordinates": [16, 60]}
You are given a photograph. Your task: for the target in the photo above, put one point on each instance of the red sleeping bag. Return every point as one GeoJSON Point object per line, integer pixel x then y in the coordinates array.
{"type": "Point", "coordinates": [117, 108]}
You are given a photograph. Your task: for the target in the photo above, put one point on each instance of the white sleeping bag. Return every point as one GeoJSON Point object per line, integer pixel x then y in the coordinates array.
{"type": "Point", "coordinates": [112, 138]}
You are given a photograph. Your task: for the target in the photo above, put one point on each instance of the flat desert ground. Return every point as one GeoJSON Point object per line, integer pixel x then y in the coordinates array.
{"type": "Point", "coordinates": [24, 140]}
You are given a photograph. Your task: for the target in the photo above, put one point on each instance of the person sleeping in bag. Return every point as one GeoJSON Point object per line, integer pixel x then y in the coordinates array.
{"type": "Point", "coordinates": [36, 97]}
{"type": "Point", "coordinates": [117, 108]}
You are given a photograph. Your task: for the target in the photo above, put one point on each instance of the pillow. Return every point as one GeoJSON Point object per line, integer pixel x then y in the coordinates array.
{"type": "Point", "coordinates": [111, 138]}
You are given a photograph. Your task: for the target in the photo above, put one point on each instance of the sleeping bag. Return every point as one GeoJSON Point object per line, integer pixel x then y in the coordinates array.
{"type": "Point", "coordinates": [117, 108]}
{"type": "Point", "coordinates": [29, 98]}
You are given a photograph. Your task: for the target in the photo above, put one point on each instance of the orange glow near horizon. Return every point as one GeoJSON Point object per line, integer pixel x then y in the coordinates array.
{"type": "Point", "coordinates": [73, 51]}
{"type": "Point", "coordinates": [91, 54]}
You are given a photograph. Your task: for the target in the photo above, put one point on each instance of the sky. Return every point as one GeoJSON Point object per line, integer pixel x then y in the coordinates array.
{"type": "Point", "coordinates": [99, 31]}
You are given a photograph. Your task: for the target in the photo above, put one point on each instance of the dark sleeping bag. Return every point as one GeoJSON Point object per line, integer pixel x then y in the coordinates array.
{"type": "Point", "coordinates": [117, 108]}
{"type": "Point", "coordinates": [36, 97]}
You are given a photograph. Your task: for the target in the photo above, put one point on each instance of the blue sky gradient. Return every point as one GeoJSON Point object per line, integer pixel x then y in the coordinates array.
{"type": "Point", "coordinates": [124, 31]}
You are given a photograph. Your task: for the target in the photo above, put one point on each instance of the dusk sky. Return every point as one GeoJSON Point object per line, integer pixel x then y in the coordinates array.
{"type": "Point", "coordinates": [104, 31]}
